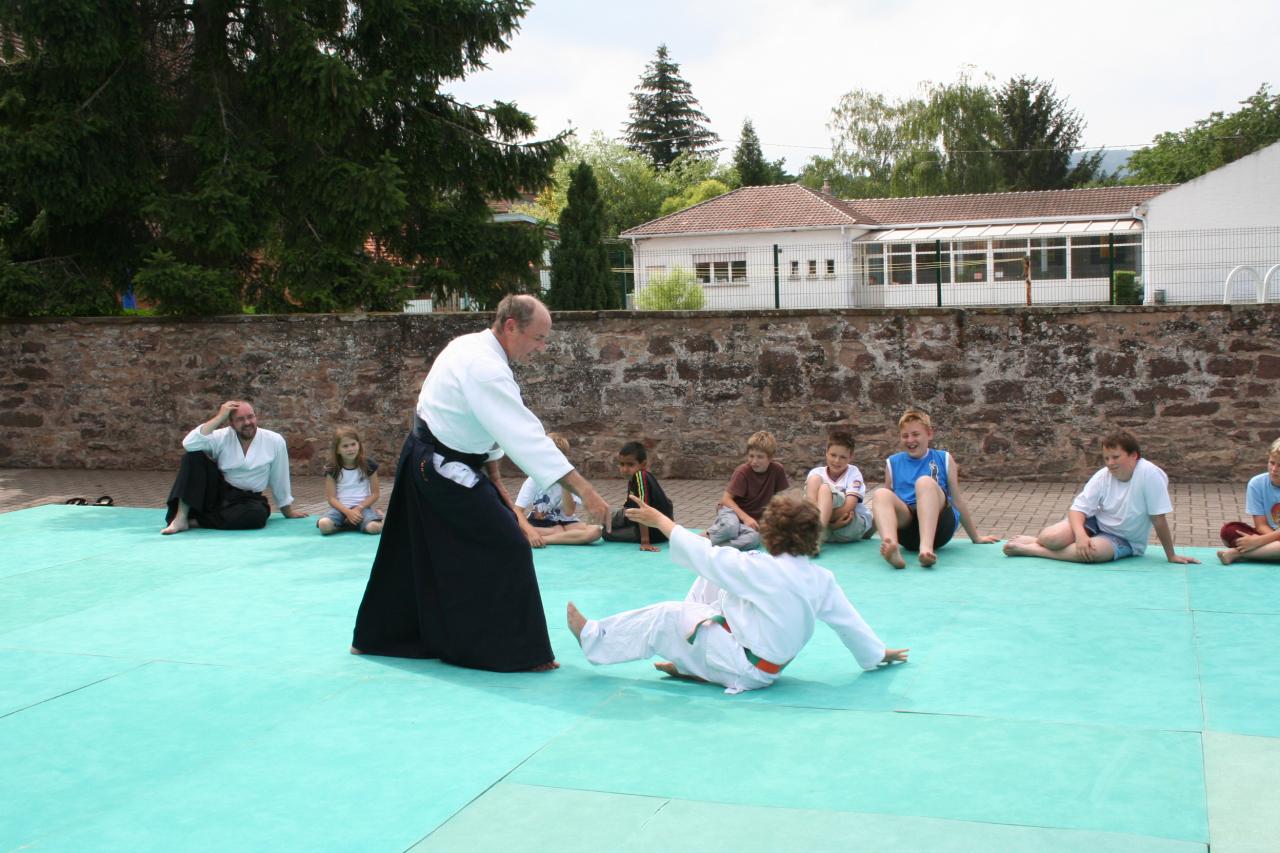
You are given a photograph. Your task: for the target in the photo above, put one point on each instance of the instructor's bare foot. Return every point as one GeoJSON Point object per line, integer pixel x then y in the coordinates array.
{"type": "Point", "coordinates": [892, 553]}
{"type": "Point", "coordinates": [356, 651]}
{"type": "Point", "coordinates": [1228, 556]}
{"type": "Point", "coordinates": [668, 668]}
{"type": "Point", "coordinates": [545, 667]}
{"type": "Point", "coordinates": [576, 621]}
{"type": "Point", "coordinates": [928, 559]}
{"type": "Point", "coordinates": [175, 526]}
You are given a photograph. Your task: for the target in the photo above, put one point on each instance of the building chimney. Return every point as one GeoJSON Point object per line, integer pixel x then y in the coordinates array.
{"type": "Point", "coordinates": [826, 186]}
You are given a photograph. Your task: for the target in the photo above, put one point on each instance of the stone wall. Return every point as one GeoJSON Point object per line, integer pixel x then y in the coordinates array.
{"type": "Point", "coordinates": [1014, 393]}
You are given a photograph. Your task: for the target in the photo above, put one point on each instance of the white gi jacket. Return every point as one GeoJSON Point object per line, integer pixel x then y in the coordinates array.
{"type": "Point", "coordinates": [266, 463]}
{"type": "Point", "coordinates": [472, 403]}
{"type": "Point", "coordinates": [771, 603]}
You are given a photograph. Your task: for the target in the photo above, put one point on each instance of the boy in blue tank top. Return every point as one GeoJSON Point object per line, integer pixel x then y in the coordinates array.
{"type": "Point", "coordinates": [921, 503]}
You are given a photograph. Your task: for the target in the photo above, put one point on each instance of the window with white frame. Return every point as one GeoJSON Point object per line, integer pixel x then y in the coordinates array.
{"type": "Point", "coordinates": [795, 269]}
{"type": "Point", "coordinates": [720, 269]}
{"type": "Point", "coordinates": [813, 268]}
{"type": "Point", "coordinates": [831, 267]}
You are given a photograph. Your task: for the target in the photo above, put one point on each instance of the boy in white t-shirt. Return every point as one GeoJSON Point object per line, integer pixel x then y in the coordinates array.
{"type": "Point", "coordinates": [1113, 515]}
{"type": "Point", "coordinates": [839, 492]}
{"type": "Point", "coordinates": [548, 516]}
{"type": "Point", "coordinates": [1260, 540]}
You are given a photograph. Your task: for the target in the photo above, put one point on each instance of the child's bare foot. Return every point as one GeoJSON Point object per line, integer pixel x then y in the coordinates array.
{"type": "Point", "coordinates": [928, 559]}
{"type": "Point", "coordinates": [892, 553]}
{"type": "Point", "coordinates": [1228, 556]}
{"type": "Point", "coordinates": [576, 621]}
{"type": "Point", "coordinates": [178, 525]}
{"type": "Point", "coordinates": [668, 668]}
{"type": "Point", "coordinates": [545, 667]}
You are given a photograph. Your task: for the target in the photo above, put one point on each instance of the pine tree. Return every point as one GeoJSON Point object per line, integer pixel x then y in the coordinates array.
{"type": "Point", "coordinates": [580, 275]}
{"type": "Point", "coordinates": [1037, 137]}
{"type": "Point", "coordinates": [748, 160]}
{"type": "Point", "coordinates": [241, 152]}
{"type": "Point", "coordinates": [665, 119]}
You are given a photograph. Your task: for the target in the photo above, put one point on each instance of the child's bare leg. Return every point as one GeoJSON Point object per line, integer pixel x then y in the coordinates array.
{"type": "Point", "coordinates": [818, 494]}
{"type": "Point", "coordinates": [181, 520]}
{"type": "Point", "coordinates": [571, 534]}
{"type": "Point", "coordinates": [930, 501]}
{"type": "Point", "coordinates": [1263, 553]}
{"type": "Point", "coordinates": [326, 526]}
{"type": "Point", "coordinates": [889, 514]}
{"type": "Point", "coordinates": [373, 528]}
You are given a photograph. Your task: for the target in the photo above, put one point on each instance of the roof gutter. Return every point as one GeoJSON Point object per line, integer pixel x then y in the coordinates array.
{"type": "Point", "coordinates": [729, 232]}
{"type": "Point", "coordinates": [1004, 220]}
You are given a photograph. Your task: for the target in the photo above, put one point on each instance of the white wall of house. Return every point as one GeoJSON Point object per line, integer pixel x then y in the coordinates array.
{"type": "Point", "coordinates": [815, 267]}
{"type": "Point", "coordinates": [1198, 232]}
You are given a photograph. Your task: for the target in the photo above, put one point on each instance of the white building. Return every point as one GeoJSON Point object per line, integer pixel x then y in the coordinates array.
{"type": "Point", "coordinates": [788, 246]}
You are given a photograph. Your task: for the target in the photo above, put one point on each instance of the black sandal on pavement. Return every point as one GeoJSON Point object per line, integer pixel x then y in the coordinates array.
{"type": "Point", "coordinates": [75, 501]}
{"type": "Point", "coordinates": [105, 500]}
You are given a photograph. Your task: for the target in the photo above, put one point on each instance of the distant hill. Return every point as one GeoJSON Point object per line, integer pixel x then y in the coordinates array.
{"type": "Point", "coordinates": [1113, 160]}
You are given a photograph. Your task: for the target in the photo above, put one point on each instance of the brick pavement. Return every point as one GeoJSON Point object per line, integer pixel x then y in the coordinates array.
{"type": "Point", "coordinates": [1002, 508]}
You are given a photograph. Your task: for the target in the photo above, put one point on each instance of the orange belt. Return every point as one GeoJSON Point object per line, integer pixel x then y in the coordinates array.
{"type": "Point", "coordinates": [752, 658]}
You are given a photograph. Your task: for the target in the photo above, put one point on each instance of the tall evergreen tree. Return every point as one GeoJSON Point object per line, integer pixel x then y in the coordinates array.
{"type": "Point", "coordinates": [748, 159]}
{"type": "Point", "coordinates": [665, 119]}
{"type": "Point", "coordinates": [580, 276]}
{"type": "Point", "coordinates": [1037, 138]}
{"type": "Point", "coordinates": [242, 151]}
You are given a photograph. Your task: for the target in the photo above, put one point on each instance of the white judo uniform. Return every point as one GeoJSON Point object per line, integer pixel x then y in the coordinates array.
{"type": "Point", "coordinates": [769, 604]}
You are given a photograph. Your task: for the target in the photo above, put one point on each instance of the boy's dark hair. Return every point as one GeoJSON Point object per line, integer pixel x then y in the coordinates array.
{"type": "Point", "coordinates": [791, 525]}
{"type": "Point", "coordinates": [635, 450]}
{"type": "Point", "coordinates": [1122, 439]}
{"type": "Point", "coordinates": [843, 439]}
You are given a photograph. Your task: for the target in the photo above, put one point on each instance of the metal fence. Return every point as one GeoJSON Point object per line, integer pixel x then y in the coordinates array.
{"type": "Point", "coordinates": [1123, 267]}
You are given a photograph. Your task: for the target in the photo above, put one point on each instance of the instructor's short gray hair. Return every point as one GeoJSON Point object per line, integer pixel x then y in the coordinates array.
{"type": "Point", "coordinates": [516, 306]}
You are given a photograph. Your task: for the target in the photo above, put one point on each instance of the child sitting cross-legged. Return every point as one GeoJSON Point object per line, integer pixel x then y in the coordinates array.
{"type": "Point", "coordinates": [548, 516]}
{"type": "Point", "coordinates": [1260, 540]}
{"type": "Point", "coordinates": [633, 463]}
{"type": "Point", "coordinates": [763, 616]}
{"type": "Point", "coordinates": [751, 487]}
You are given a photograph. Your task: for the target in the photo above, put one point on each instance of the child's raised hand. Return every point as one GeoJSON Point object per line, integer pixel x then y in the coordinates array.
{"type": "Point", "coordinates": [642, 512]}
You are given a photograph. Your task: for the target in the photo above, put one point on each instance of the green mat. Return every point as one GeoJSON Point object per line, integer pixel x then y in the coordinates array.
{"type": "Point", "coordinates": [195, 692]}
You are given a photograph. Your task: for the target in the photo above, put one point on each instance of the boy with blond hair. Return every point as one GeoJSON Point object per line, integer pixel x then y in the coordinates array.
{"type": "Point", "coordinates": [1113, 515]}
{"type": "Point", "coordinates": [1261, 540]}
{"type": "Point", "coordinates": [761, 620]}
{"type": "Point", "coordinates": [839, 493]}
{"type": "Point", "coordinates": [549, 516]}
{"type": "Point", "coordinates": [920, 505]}
{"type": "Point", "coordinates": [751, 487]}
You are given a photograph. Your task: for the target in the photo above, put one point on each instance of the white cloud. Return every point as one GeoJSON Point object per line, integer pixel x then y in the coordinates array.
{"type": "Point", "coordinates": [1131, 69]}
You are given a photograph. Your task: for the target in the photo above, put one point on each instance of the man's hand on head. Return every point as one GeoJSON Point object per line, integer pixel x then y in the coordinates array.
{"type": "Point", "coordinates": [227, 409]}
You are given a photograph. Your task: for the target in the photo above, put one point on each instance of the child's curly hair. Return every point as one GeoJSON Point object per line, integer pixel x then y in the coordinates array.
{"type": "Point", "coordinates": [791, 525]}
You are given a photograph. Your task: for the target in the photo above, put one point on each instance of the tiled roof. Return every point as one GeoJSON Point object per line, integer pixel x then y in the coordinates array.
{"type": "Point", "coordinates": [793, 206]}
{"type": "Point", "coordinates": [756, 208]}
{"type": "Point", "coordinates": [1037, 204]}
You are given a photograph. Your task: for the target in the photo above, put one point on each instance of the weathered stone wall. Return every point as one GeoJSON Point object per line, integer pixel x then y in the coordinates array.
{"type": "Point", "coordinates": [1015, 394]}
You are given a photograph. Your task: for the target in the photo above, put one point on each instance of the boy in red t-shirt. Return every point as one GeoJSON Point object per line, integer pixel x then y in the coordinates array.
{"type": "Point", "coordinates": [752, 486]}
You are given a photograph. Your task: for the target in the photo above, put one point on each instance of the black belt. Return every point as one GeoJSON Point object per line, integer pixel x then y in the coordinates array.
{"type": "Point", "coordinates": [472, 460]}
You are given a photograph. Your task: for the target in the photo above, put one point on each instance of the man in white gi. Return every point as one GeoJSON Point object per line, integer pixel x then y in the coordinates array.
{"type": "Point", "coordinates": [764, 614]}
{"type": "Point", "coordinates": [225, 471]}
{"type": "Point", "coordinates": [453, 578]}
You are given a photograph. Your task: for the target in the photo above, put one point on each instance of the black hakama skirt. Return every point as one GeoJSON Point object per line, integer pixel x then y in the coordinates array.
{"type": "Point", "coordinates": [453, 577]}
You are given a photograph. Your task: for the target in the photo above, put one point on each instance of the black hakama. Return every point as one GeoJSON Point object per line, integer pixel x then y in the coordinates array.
{"type": "Point", "coordinates": [453, 577]}
{"type": "Point", "coordinates": [213, 501]}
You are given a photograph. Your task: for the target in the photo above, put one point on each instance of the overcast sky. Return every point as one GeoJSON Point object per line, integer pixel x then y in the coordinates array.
{"type": "Point", "coordinates": [1131, 68]}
